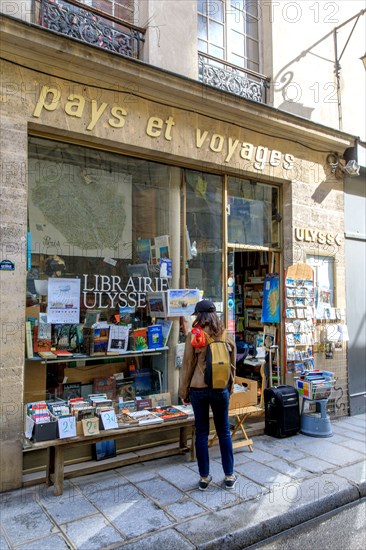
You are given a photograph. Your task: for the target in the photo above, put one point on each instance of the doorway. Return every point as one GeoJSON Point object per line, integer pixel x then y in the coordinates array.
{"type": "Point", "coordinates": [256, 340]}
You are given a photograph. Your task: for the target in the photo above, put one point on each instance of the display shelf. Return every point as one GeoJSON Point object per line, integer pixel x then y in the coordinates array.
{"type": "Point", "coordinates": [299, 321]}
{"type": "Point", "coordinates": [72, 359]}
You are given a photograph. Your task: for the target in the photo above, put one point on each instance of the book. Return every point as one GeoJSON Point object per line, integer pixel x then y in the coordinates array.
{"type": "Point", "coordinates": [28, 340]}
{"type": "Point", "coordinates": [140, 339]}
{"type": "Point", "coordinates": [142, 378]}
{"type": "Point", "coordinates": [95, 339]}
{"type": "Point", "coordinates": [42, 336]}
{"type": "Point", "coordinates": [157, 304]}
{"type": "Point", "coordinates": [143, 403]}
{"type": "Point", "coordinates": [125, 389]}
{"type": "Point", "coordinates": [145, 417]}
{"type": "Point", "coordinates": [187, 409]}
{"type": "Point", "coordinates": [169, 413]}
{"type": "Point", "coordinates": [85, 412]}
{"type": "Point", "coordinates": [70, 390]}
{"type": "Point", "coordinates": [166, 326]}
{"type": "Point", "coordinates": [179, 353]}
{"type": "Point", "coordinates": [106, 385]}
{"type": "Point", "coordinates": [143, 250]}
{"type": "Point", "coordinates": [162, 246]}
{"type": "Point", "coordinates": [155, 336]}
{"type": "Point", "coordinates": [166, 267]}
{"type": "Point", "coordinates": [160, 399]}
{"type": "Point", "coordinates": [127, 406]}
{"type": "Point", "coordinates": [61, 352]}
{"type": "Point", "coordinates": [127, 315]}
{"type": "Point", "coordinates": [47, 354]}
{"type": "Point", "coordinates": [118, 338]}
{"type": "Point", "coordinates": [92, 316]}
{"type": "Point", "coordinates": [64, 336]}
{"type": "Point", "coordinates": [124, 420]}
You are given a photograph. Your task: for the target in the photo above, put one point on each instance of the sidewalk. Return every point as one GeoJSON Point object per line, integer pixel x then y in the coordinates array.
{"type": "Point", "coordinates": [155, 505]}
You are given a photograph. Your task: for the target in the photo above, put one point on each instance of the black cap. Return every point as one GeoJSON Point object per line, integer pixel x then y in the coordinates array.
{"type": "Point", "coordinates": [204, 306]}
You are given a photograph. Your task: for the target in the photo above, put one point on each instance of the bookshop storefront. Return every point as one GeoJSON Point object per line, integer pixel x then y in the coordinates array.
{"type": "Point", "coordinates": [131, 212]}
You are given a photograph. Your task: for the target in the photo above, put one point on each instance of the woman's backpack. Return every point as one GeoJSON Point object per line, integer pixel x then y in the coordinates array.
{"type": "Point", "coordinates": [218, 364]}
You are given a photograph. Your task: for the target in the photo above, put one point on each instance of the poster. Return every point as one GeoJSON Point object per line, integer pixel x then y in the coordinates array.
{"type": "Point", "coordinates": [271, 300]}
{"type": "Point", "coordinates": [63, 301]}
{"type": "Point", "coordinates": [182, 302]}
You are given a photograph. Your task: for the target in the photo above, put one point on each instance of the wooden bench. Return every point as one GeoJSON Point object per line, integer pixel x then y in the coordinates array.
{"type": "Point", "coordinates": [55, 473]}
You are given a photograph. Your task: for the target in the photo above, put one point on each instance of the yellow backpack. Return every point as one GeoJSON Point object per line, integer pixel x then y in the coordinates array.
{"type": "Point", "coordinates": [218, 364]}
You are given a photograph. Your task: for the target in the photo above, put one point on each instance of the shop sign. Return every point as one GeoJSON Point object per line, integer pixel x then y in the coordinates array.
{"type": "Point", "coordinates": [115, 116]}
{"type": "Point", "coordinates": [105, 291]}
{"type": "Point", "coordinates": [7, 265]}
{"type": "Point", "coordinates": [315, 236]}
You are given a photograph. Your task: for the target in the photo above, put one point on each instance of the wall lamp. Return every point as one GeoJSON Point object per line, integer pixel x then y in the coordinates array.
{"type": "Point", "coordinates": [348, 164]}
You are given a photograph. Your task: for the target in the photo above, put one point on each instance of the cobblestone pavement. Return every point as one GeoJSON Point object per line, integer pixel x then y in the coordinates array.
{"type": "Point", "coordinates": [156, 504]}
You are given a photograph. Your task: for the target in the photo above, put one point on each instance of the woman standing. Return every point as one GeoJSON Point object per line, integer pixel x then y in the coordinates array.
{"type": "Point", "coordinates": [194, 390]}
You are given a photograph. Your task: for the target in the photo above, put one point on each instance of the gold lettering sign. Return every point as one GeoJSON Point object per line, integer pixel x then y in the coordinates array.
{"type": "Point", "coordinates": [97, 112]}
{"type": "Point", "coordinates": [315, 236]}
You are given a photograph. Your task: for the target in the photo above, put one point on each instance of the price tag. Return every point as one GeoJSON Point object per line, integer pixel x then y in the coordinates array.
{"type": "Point", "coordinates": [66, 426]}
{"type": "Point", "coordinates": [109, 419]}
{"type": "Point", "coordinates": [90, 426]}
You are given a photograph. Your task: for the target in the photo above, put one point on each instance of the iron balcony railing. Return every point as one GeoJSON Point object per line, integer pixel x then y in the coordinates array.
{"type": "Point", "coordinates": [89, 25]}
{"type": "Point", "coordinates": [229, 78]}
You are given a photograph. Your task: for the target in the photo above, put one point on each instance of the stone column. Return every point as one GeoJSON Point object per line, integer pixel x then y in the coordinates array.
{"type": "Point", "coordinates": [13, 235]}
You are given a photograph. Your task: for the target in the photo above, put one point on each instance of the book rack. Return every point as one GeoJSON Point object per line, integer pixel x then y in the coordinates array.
{"type": "Point", "coordinates": [55, 472]}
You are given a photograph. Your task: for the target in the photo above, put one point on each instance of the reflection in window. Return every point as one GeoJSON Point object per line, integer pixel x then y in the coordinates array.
{"type": "Point", "coordinates": [204, 229]}
{"type": "Point", "coordinates": [253, 216]}
{"type": "Point", "coordinates": [90, 212]}
{"type": "Point", "coordinates": [323, 267]}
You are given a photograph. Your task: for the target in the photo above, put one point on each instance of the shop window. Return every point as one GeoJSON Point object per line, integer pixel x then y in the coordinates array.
{"type": "Point", "coordinates": [109, 226]}
{"type": "Point", "coordinates": [204, 201]}
{"type": "Point", "coordinates": [253, 213]}
{"type": "Point", "coordinates": [323, 267]}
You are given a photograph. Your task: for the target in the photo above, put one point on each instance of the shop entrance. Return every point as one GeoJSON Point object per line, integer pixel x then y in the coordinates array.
{"type": "Point", "coordinates": [247, 272]}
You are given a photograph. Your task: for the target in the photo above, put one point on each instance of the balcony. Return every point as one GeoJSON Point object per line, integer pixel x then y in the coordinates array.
{"type": "Point", "coordinates": [229, 78]}
{"type": "Point", "coordinates": [89, 25]}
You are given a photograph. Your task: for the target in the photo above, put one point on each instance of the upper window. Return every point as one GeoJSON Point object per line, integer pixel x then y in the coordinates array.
{"type": "Point", "coordinates": [228, 30]}
{"type": "Point", "coordinates": [121, 9]}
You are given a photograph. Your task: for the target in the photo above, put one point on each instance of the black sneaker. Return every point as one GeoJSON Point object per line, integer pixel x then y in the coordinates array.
{"type": "Point", "coordinates": [204, 482]}
{"type": "Point", "coordinates": [230, 481]}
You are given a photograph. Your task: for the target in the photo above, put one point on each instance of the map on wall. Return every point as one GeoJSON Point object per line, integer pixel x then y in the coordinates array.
{"type": "Point", "coordinates": [76, 213]}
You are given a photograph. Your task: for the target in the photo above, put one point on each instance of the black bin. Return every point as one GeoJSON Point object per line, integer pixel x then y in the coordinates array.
{"type": "Point", "coordinates": [282, 411]}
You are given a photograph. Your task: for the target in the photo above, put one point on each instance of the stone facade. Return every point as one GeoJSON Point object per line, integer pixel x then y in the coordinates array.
{"type": "Point", "coordinates": [84, 99]}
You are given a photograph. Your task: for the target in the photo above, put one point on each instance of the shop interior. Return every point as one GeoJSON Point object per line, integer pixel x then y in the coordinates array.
{"type": "Point", "coordinates": [257, 342]}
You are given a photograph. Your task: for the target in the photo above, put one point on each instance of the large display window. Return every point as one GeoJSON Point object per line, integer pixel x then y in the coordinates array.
{"type": "Point", "coordinates": [119, 251]}
{"type": "Point", "coordinates": [103, 251]}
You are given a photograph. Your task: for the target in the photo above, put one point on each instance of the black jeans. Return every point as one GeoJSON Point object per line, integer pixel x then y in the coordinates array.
{"type": "Point", "coordinates": [201, 400]}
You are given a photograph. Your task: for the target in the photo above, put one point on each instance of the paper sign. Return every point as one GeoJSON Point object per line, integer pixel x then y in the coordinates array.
{"type": "Point", "coordinates": [29, 423]}
{"type": "Point", "coordinates": [90, 426]}
{"type": "Point", "coordinates": [109, 419]}
{"type": "Point", "coordinates": [66, 426]}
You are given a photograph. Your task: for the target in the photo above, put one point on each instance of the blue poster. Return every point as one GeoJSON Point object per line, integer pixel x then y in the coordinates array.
{"type": "Point", "coordinates": [271, 300]}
